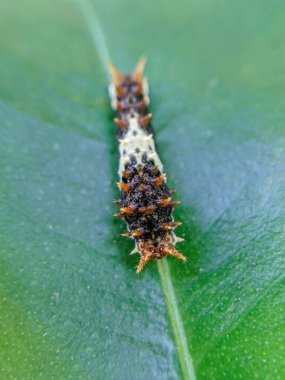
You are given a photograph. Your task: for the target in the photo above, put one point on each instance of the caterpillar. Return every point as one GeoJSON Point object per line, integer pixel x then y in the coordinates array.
{"type": "Point", "coordinates": [145, 202]}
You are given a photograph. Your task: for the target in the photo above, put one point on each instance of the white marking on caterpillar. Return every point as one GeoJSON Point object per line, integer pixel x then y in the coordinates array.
{"type": "Point", "coordinates": [137, 142]}
{"type": "Point", "coordinates": [113, 96]}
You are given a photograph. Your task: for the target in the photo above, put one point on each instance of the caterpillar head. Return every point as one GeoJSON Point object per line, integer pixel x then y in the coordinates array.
{"type": "Point", "coordinates": [155, 249]}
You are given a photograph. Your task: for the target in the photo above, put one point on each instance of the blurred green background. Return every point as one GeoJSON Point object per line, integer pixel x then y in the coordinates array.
{"type": "Point", "coordinates": [72, 306]}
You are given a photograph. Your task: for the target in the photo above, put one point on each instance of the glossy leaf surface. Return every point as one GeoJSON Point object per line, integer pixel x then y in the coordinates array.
{"type": "Point", "coordinates": [72, 304]}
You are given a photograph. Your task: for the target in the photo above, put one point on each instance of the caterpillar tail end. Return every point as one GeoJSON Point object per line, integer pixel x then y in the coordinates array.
{"type": "Point", "coordinates": [115, 73]}
{"type": "Point", "coordinates": [137, 73]}
{"type": "Point", "coordinates": [139, 69]}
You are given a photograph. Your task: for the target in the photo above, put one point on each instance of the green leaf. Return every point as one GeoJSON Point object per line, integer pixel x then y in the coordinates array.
{"type": "Point", "coordinates": [72, 306]}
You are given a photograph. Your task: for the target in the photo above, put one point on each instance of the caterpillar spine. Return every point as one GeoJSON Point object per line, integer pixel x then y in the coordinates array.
{"type": "Point", "coordinates": [145, 202]}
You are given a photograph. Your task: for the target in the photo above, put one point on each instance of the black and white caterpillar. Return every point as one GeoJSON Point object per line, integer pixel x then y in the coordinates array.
{"type": "Point", "coordinates": [145, 202]}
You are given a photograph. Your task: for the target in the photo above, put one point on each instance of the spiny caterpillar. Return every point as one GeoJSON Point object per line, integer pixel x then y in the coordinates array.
{"type": "Point", "coordinates": [145, 202]}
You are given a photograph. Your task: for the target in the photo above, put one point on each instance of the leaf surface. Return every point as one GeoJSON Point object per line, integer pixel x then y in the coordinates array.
{"type": "Point", "coordinates": [72, 305]}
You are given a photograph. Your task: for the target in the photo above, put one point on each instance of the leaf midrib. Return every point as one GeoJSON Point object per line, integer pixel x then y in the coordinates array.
{"type": "Point", "coordinates": [176, 321]}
